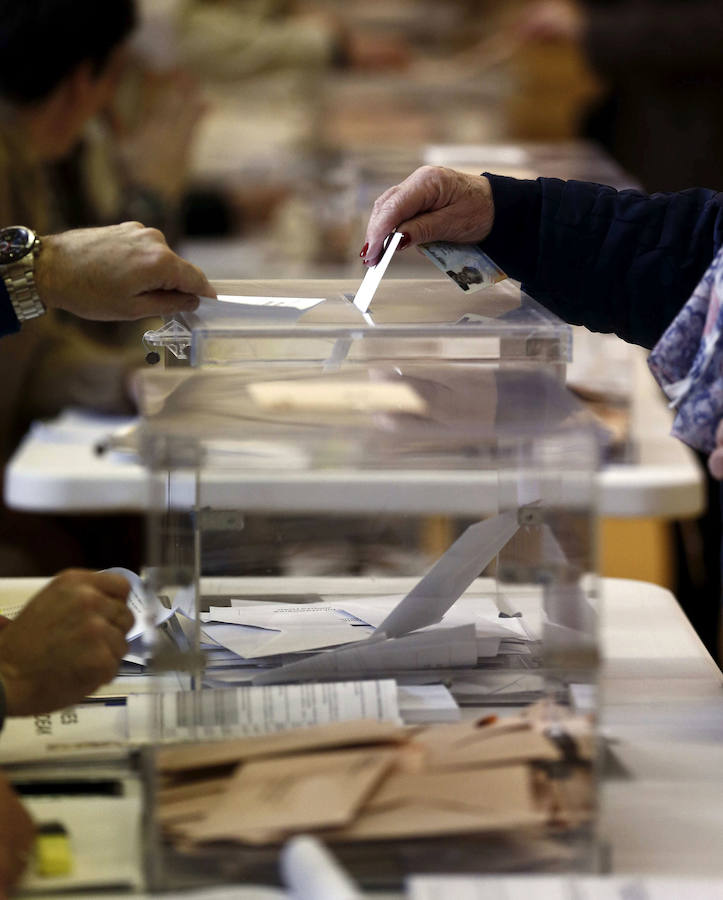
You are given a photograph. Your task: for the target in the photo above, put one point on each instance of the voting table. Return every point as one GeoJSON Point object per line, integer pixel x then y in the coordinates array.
{"type": "Point", "coordinates": [661, 711]}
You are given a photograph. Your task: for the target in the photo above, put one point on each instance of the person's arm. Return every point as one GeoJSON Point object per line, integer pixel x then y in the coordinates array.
{"type": "Point", "coordinates": [67, 641]}
{"type": "Point", "coordinates": [16, 837]}
{"type": "Point", "coordinates": [619, 261]}
{"type": "Point", "coordinates": [117, 272]}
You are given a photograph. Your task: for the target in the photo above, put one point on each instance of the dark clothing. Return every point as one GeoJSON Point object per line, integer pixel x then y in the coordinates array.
{"type": "Point", "coordinates": [662, 62]}
{"type": "Point", "coordinates": [8, 320]}
{"type": "Point", "coordinates": [621, 262]}
{"type": "Point", "coordinates": [614, 261]}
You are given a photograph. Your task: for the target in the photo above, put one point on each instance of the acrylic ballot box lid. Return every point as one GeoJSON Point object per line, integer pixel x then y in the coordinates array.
{"type": "Point", "coordinates": [314, 322]}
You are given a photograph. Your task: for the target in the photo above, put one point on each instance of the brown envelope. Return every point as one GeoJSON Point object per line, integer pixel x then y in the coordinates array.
{"type": "Point", "coordinates": [188, 801]}
{"type": "Point", "coordinates": [446, 803]}
{"type": "Point", "coordinates": [357, 733]}
{"type": "Point", "coordinates": [270, 798]}
{"type": "Point", "coordinates": [471, 743]}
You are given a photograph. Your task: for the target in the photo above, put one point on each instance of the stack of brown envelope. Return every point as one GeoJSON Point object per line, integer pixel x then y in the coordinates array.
{"type": "Point", "coordinates": [364, 780]}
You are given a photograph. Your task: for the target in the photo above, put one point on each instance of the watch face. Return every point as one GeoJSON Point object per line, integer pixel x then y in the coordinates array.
{"type": "Point", "coordinates": [15, 243]}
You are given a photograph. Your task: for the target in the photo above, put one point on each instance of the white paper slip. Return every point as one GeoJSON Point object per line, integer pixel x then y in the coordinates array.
{"type": "Point", "coordinates": [440, 648]}
{"type": "Point", "coordinates": [311, 873]}
{"type": "Point", "coordinates": [422, 703]}
{"type": "Point", "coordinates": [279, 617]}
{"type": "Point", "coordinates": [440, 887]}
{"type": "Point", "coordinates": [374, 274]}
{"type": "Point", "coordinates": [300, 304]}
{"type": "Point", "coordinates": [87, 731]}
{"type": "Point", "coordinates": [137, 604]}
{"type": "Point", "coordinates": [302, 641]}
{"type": "Point", "coordinates": [289, 628]}
{"type": "Point", "coordinates": [451, 575]}
{"type": "Point", "coordinates": [258, 710]}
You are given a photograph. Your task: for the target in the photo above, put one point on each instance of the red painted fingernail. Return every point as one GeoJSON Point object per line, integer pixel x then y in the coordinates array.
{"type": "Point", "coordinates": [364, 250]}
{"type": "Point", "coordinates": [405, 242]}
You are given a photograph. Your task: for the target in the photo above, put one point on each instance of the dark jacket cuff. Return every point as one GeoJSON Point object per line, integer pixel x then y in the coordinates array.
{"type": "Point", "coordinates": [514, 240]}
{"type": "Point", "coordinates": [9, 323]}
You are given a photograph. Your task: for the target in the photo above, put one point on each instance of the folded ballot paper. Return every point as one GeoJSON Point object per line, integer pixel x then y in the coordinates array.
{"type": "Point", "coordinates": [369, 780]}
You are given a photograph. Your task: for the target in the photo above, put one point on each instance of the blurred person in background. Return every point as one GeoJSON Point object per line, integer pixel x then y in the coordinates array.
{"type": "Point", "coordinates": [231, 39]}
{"type": "Point", "coordinates": [660, 61]}
{"type": "Point", "coordinates": [56, 74]}
{"type": "Point", "coordinates": [660, 117]}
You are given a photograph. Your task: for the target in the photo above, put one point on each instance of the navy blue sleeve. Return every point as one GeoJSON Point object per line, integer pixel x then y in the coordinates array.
{"type": "Point", "coordinates": [9, 323]}
{"type": "Point", "coordinates": [614, 261]}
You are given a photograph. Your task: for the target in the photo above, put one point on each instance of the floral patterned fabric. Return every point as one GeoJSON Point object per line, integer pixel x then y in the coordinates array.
{"type": "Point", "coordinates": [687, 362]}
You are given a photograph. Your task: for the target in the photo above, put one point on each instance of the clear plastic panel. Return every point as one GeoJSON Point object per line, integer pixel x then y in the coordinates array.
{"type": "Point", "coordinates": [425, 523]}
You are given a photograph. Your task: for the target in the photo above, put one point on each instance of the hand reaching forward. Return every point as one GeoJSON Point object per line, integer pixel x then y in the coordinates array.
{"type": "Point", "coordinates": [116, 272]}
{"type": "Point", "coordinates": [65, 643]}
{"type": "Point", "coordinates": [16, 837]}
{"type": "Point", "coordinates": [432, 204]}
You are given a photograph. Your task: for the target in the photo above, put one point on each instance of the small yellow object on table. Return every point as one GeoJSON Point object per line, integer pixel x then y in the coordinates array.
{"type": "Point", "coordinates": [53, 857]}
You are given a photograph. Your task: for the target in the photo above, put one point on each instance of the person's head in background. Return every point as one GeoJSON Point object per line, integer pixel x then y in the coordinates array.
{"type": "Point", "coordinates": [59, 62]}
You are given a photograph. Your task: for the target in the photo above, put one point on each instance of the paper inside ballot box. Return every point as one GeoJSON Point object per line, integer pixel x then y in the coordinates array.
{"type": "Point", "coordinates": [300, 395]}
{"type": "Point", "coordinates": [471, 743]}
{"type": "Point", "coordinates": [185, 758]}
{"type": "Point", "coordinates": [268, 799]}
{"type": "Point", "coordinates": [435, 803]}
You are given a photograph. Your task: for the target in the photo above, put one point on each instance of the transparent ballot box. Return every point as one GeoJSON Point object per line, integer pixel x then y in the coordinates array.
{"type": "Point", "coordinates": [351, 561]}
{"type": "Point", "coordinates": [314, 322]}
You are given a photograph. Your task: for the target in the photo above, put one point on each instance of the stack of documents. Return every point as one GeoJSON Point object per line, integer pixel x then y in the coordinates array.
{"type": "Point", "coordinates": [280, 642]}
{"type": "Point", "coordinates": [438, 625]}
{"type": "Point", "coordinates": [103, 729]}
{"type": "Point", "coordinates": [365, 780]}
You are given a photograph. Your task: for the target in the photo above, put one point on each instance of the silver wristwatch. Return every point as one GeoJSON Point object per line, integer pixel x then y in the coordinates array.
{"type": "Point", "coordinates": [19, 247]}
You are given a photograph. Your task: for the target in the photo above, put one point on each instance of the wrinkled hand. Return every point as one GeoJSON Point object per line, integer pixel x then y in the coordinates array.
{"type": "Point", "coordinates": [715, 460]}
{"type": "Point", "coordinates": [65, 643]}
{"type": "Point", "coordinates": [16, 837]}
{"type": "Point", "coordinates": [117, 272]}
{"type": "Point", "coordinates": [432, 204]}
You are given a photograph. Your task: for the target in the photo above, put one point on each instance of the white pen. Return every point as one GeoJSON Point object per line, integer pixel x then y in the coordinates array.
{"type": "Point", "coordinates": [310, 872]}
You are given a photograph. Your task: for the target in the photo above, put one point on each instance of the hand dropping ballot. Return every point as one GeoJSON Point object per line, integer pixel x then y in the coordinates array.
{"type": "Point", "coordinates": [467, 265]}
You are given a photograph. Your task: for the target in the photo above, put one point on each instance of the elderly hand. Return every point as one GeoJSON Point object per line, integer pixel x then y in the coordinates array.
{"type": "Point", "coordinates": [16, 837]}
{"type": "Point", "coordinates": [715, 460]}
{"type": "Point", "coordinates": [116, 272]}
{"type": "Point", "coordinates": [65, 643]}
{"type": "Point", "coordinates": [432, 204]}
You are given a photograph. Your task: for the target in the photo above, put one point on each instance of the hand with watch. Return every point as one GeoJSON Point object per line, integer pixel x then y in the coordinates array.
{"type": "Point", "coordinates": [117, 272]}
{"type": "Point", "coordinates": [19, 247]}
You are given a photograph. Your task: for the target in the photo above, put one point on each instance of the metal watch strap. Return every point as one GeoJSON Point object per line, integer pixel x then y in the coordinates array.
{"type": "Point", "coordinates": [20, 281]}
